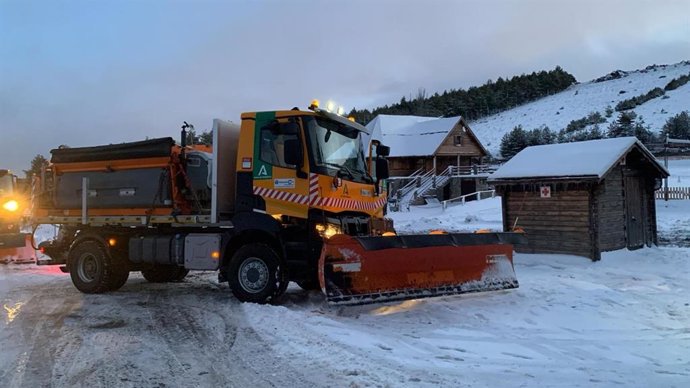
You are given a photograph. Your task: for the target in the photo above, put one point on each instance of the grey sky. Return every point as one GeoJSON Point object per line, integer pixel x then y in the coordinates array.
{"type": "Point", "coordinates": [85, 73]}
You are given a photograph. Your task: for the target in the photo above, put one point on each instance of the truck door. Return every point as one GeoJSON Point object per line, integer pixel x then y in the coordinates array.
{"type": "Point", "coordinates": [279, 174]}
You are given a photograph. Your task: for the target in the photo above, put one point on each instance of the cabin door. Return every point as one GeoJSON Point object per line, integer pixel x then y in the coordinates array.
{"type": "Point", "coordinates": [635, 222]}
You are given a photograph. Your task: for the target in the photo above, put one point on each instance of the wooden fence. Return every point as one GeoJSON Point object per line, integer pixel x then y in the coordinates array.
{"type": "Point", "coordinates": [674, 193]}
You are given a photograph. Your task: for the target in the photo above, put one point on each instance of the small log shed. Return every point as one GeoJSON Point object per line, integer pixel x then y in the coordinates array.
{"type": "Point", "coordinates": [581, 198]}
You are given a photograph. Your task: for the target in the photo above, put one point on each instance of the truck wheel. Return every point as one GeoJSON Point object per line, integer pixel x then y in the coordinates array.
{"type": "Point", "coordinates": [309, 285]}
{"type": "Point", "coordinates": [164, 274]}
{"type": "Point", "coordinates": [119, 279]}
{"type": "Point", "coordinates": [255, 274]}
{"type": "Point", "coordinates": [181, 274]}
{"type": "Point", "coordinates": [92, 269]}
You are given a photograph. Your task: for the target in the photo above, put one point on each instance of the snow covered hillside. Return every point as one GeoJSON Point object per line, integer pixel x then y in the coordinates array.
{"type": "Point", "coordinates": [579, 100]}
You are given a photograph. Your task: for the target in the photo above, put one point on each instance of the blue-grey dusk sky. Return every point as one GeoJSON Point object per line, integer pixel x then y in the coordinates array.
{"type": "Point", "coordinates": [95, 72]}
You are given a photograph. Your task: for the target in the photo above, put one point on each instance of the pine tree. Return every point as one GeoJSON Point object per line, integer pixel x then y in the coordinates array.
{"type": "Point", "coordinates": [206, 138]}
{"type": "Point", "coordinates": [514, 142]}
{"type": "Point", "coordinates": [678, 126]}
{"type": "Point", "coordinates": [595, 133]}
{"type": "Point", "coordinates": [623, 126]}
{"type": "Point", "coordinates": [37, 164]}
{"type": "Point", "coordinates": [642, 132]}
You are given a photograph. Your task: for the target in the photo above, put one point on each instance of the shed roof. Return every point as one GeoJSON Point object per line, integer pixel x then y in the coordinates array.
{"type": "Point", "coordinates": [590, 159]}
{"type": "Point", "coordinates": [412, 135]}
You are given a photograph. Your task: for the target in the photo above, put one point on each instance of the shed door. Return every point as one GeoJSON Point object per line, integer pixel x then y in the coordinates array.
{"type": "Point", "coordinates": [634, 212]}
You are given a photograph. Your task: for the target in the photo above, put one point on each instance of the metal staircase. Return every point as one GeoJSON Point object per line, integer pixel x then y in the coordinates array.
{"type": "Point", "coordinates": [423, 184]}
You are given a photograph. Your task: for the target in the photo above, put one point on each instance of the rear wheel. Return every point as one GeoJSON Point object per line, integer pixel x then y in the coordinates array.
{"type": "Point", "coordinates": [93, 270]}
{"type": "Point", "coordinates": [255, 274]}
{"type": "Point", "coordinates": [165, 274]}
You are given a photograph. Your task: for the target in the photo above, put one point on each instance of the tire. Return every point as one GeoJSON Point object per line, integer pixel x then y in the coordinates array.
{"type": "Point", "coordinates": [181, 274]}
{"type": "Point", "coordinates": [119, 280]}
{"type": "Point", "coordinates": [309, 285]}
{"type": "Point", "coordinates": [164, 274]}
{"type": "Point", "coordinates": [256, 274]}
{"type": "Point", "coordinates": [93, 270]}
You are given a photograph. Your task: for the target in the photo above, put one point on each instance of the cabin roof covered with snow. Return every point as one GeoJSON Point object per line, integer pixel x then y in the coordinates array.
{"type": "Point", "coordinates": [413, 135]}
{"type": "Point", "coordinates": [585, 160]}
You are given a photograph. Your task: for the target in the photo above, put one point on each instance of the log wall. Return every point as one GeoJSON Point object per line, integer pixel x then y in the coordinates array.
{"type": "Point", "coordinates": [468, 145]}
{"type": "Point", "coordinates": [611, 209]}
{"type": "Point", "coordinates": [560, 224]}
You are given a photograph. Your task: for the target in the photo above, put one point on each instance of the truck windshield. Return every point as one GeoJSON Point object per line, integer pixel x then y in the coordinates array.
{"type": "Point", "coordinates": [337, 148]}
{"type": "Point", "coordinates": [5, 185]}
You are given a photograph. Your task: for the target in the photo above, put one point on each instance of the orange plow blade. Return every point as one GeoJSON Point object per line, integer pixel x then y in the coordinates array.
{"type": "Point", "coordinates": [361, 270]}
{"type": "Point", "coordinates": [16, 248]}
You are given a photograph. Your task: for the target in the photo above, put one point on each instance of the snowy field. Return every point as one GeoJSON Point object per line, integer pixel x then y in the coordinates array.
{"type": "Point", "coordinates": [680, 172]}
{"type": "Point", "coordinates": [623, 321]}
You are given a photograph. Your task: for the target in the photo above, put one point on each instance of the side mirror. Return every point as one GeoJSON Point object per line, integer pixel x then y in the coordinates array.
{"type": "Point", "coordinates": [382, 169]}
{"type": "Point", "coordinates": [382, 150]}
{"type": "Point", "coordinates": [293, 152]}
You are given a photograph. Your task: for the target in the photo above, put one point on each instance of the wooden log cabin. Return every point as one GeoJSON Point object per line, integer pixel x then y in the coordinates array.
{"type": "Point", "coordinates": [581, 198]}
{"type": "Point", "coordinates": [426, 142]}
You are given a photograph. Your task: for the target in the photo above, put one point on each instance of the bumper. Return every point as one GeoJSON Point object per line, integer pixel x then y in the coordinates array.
{"type": "Point", "coordinates": [12, 240]}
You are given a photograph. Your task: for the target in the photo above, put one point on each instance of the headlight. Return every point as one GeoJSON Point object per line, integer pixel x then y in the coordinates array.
{"type": "Point", "coordinates": [328, 230]}
{"type": "Point", "coordinates": [11, 205]}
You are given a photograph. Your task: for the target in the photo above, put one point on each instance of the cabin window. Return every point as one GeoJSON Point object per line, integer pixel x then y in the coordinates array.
{"type": "Point", "coordinates": [457, 140]}
{"type": "Point", "coordinates": [273, 146]}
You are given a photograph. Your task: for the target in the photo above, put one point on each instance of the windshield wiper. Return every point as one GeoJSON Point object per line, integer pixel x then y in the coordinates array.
{"type": "Point", "coordinates": [340, 168]}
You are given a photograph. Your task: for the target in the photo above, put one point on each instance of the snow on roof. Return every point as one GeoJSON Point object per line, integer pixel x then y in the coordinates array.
{"type": "Point", "coordinates": [591, 158]}
{"type": "Point", "coordinates": [411, 135]}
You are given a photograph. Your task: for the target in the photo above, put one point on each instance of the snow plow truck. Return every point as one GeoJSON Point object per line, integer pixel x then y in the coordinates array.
{"type": "Point", "coordinates": [15, 245]}
{"type": "Point", "coordinates": [293, 195]}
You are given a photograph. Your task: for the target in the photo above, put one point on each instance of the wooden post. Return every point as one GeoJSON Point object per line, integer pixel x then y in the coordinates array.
{"type": "Point", "coordinates": [433, 182]}
{"type": "Point", "coordinates": [666, 166]}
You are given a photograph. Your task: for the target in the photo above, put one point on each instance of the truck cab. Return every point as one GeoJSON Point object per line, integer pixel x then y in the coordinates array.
{"type": "Point", "coordinates": [311, 172]}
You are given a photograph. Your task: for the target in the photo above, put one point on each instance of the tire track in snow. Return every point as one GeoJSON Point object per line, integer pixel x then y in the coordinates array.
{"type": "Point", "coordinates": [145, 335]}
{"type": "Point", "coordinates": [48, 344]}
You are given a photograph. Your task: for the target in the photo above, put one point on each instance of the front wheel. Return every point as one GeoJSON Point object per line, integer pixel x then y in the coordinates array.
{"type": "Point", "coordinates": [119, 279]}
{"type": "Point", "coordinates": [311, 284]}
{"type": "Point", "coordinates": [255, 274]}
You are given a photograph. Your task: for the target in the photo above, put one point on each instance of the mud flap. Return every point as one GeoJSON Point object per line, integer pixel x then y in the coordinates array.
{"type": "Point", "coordinates": [16, 248]}
{"type": "Point", "coordinates": [361, 270]}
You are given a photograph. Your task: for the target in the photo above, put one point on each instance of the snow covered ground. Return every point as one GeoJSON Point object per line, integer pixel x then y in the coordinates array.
{"type": "Point", "coordinates": [623, 321]}
{"type": "Point", "coordinates": [680, 172]}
